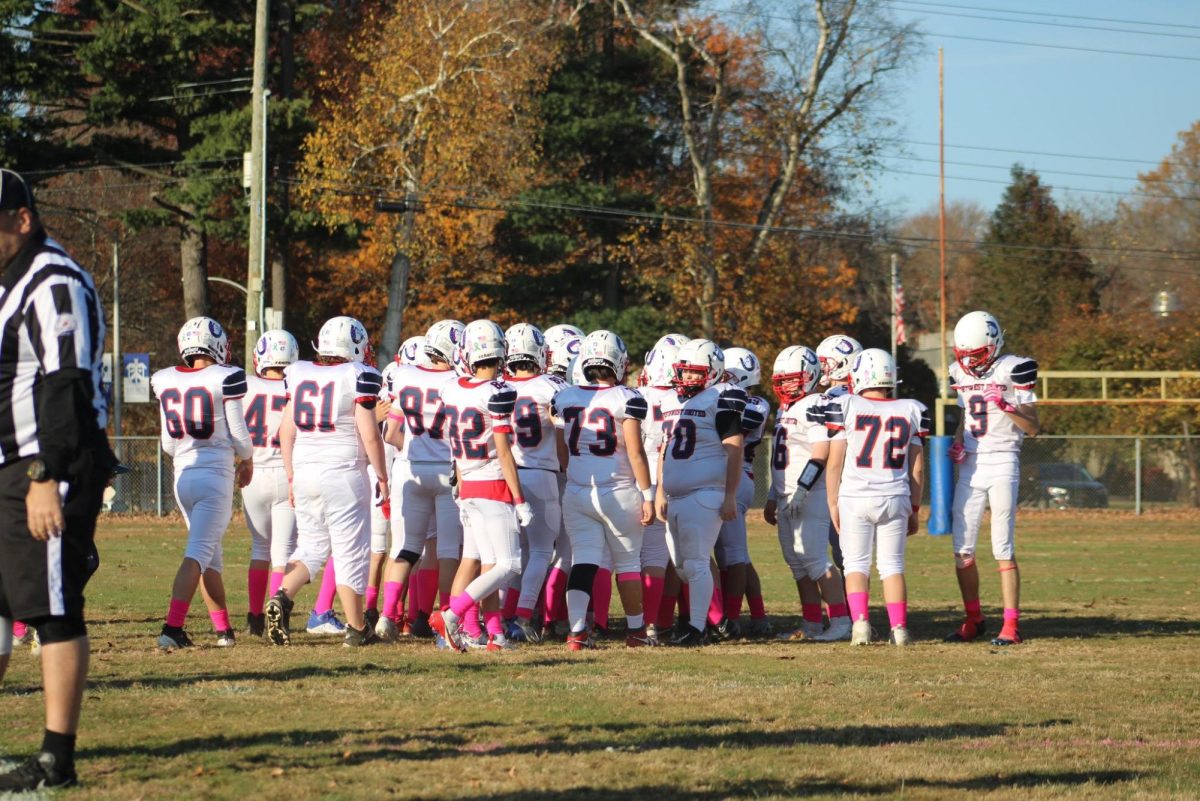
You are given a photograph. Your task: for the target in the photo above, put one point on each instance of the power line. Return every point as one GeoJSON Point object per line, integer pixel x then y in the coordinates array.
{"type": "Point", "coordinates": [1150, 195]}
{"type": "Point", "coordinates": [1019, 152]}
{"type": "Point", "coordinates": [1039, 22]}
{"type": "Point", "coordinates": [1055, 14]}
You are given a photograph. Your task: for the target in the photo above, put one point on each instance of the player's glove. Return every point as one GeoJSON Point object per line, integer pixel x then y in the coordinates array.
{"type": "Point", "coordinates": [957, 452]}
{"type": "Point", "coordinates": [794, 507]}
{"type": "Point", "coordinates": [524, 513]}
{"type": "Point", "coordinates": [386, 508]}
{"type": "Point", "coordinates": [995, 394]}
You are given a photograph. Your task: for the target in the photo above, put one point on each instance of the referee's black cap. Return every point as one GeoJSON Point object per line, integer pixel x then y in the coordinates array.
{"type": "Point", "coordinates": [15, 192]}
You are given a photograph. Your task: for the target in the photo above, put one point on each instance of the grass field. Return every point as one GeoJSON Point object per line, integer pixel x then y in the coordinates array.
{"type": "Point", "coordinates": [1103, 701]}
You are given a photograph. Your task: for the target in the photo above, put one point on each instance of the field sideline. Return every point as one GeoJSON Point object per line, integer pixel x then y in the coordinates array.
{"type": "Point", "coordinates": [1102, 702]}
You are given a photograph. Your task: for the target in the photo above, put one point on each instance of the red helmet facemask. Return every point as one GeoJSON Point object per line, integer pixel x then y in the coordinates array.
{"type": "Point", "coordinates": [788, 398]}
{"type": "Point", "coordinates": [687, 387]}
{"type": "Point", "coordinates": [977, 360]}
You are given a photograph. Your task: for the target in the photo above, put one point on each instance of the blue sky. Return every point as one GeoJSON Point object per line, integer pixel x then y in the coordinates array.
{"type": "Point", "coordinates": [1124, 111]}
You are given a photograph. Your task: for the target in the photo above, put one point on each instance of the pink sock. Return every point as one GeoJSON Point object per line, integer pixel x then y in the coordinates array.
{"type": "Point", "coordinates": [652, 591]}
{"type": "Point", "coordinates": [220, 620]}
{"type": "Point", "coordinates": [511, 597]}
{"type": "Point", "coordinates": [716, 606]}
{"type": "Point", "coordinates": [838, 610]}
{"type": "Point", "coordinates": [427, 588]}
{"type": "Point", "coordinates": [556, 596]}
{"type": "Point", "coordinates": [685, 601]}
{"type": "Point", "coordinates": [444, 600]}
{"type": "Point", "coordinates": [19, 629]}
{"type": "Point", "coordinates": [973, 609]}
{"type": "Point", "coordinates": [391, 600]}
{"type": "Point", "coordinates": [177, 613]}
{"type": "Point", "coordinates": [758, 610]}
{"type": "Point", "coordinates": [811, 613]}
{"type": "Point", "coordinates": [372, 597]}
{"type": "Point", "coordinates": [256, 588]}
{"type": "Point", "coordinates": [898, 614]}
{"type": "Point", "coordinates": [328, 590]}
{"type": "Point", "coordinates": [859, 603]}
{"type": "Point", "coordinates": [733, 606]}
{"type": "Point", "coordinates": [1012, 615]}
{"type": "Point", "coordinates": [602, 588]}
{"type": "Point", "coordinates": [666, 611]}
{"type": "Point", "coordinates": [276, 582]}
{"type": "Point", "coordinates": [493, 623]}
{"type": "Point", "coordinates": [470, 621]}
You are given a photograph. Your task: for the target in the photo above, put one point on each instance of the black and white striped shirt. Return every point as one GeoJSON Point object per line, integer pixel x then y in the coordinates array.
{"type": "Point", "coordinates": [50, 320]}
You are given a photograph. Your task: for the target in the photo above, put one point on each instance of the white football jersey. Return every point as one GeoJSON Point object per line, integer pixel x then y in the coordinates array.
{"type": "Point", "coordinates": [416, 394]}
{"type": "Point", "coordinates": [652, 429]}
{"type": "Point", "coordinates": [694, 429]}
{"type": "Point", "coordinates": [324, 398]}
{"type": "Point", "coordinates": [797, 428]}
{"type": "Point", "coordinates": [879, 435]}
{"type": "Point", "coordinates": [592, 419]}
{"type": "Point", "coordinates": [192, 407]}
{"type": "Point", "coordinates": [986, 429]}
{"type": "Point", "coordinates": [474, 412]}
{"type": "Point", "coordinates": [263, 410]}
{"type": "Point", "coordinates": [534, 443]}
{"type": "Point", "coordinates": [754, 425]}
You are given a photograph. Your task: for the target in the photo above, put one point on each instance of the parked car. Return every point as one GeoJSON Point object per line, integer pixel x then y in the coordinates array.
{"type": "Point", "coordinates": [1059, 485]}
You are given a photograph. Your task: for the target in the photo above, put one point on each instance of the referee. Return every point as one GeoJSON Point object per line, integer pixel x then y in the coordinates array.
{"type": "Point", "coordinates": [54, 464]}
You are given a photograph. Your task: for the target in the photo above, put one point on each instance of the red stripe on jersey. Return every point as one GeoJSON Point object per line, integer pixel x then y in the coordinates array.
{"type": "Point", "coordinates": [502, 429]}
{"type": "Point", "coordinates": [366, 398]}
{"type": "Point", "coordinates": [495, 490]}
{"type": "Point", "coordinates": [1024, 386]}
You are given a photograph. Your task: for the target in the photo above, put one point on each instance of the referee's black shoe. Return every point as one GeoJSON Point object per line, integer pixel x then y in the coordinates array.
{"type": "Point", "coordinates": [37, 773]}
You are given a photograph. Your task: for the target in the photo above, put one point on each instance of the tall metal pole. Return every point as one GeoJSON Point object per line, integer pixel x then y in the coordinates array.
{"type": "Point", "coordinates": [945, 393]}
{"type": "Point", "coordinates": [895, 314]}
{"type": "Point", "coordinates": [118, 366]}
{"type": "Point", "coordinates": [258, 184]}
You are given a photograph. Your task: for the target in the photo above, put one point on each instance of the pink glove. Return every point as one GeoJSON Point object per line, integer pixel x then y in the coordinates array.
{"type": "Point", "coordinates": [957, 452]}
{"type": "Point", "coordinates": [994, 394]}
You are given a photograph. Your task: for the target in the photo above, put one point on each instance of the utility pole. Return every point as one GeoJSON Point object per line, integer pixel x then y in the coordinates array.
{"type": "Point", "coordinates": [258, 184]}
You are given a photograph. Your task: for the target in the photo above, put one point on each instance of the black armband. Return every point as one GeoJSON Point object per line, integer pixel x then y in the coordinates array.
{"type": "Point", "coordinates": [811, 474]}
{"type": "Point", "coordinates": [729, 423]}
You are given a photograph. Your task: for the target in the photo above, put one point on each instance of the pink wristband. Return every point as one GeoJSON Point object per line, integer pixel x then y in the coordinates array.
{"type": "Point", "coordinates": [517, 501]}
{"type": "Point", "coordinates": [394, 416]}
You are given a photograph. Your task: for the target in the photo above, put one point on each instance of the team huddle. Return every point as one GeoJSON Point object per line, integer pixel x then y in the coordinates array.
{"type": "Point", "coordinates": [488, 486]}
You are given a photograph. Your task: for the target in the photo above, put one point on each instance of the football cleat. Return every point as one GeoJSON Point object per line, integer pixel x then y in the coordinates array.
{"type": "Point", "coordinates": [1008, 636]}
{"type": "Point", "coordinates": [968, 630]}
{"type": "Point", "coordinates": [690, 638]}
{"type": "Point", "coordinates": [580, 641]}
{"type": "Point", "coordinates": [25, 638]}
{"type": "Point", "coordinates": [860, 632]}
{"type": "Point", "coordinates": [39, 772]}
{"type": "Point", "coordinates": [279, 616]}
{"type": "Point", "coordinates": [470, 643]}
{"type": "Point", "coordinates": [226, 639]}
{"type": "Point", "coordinates": [256, 625]}
{"type": "Point", "coordinates": [421, 628]}
{"type": "Point", "coordinates": [405, 628]}
{"type": "Point", "coordinates": [356, 638]}
{"type": "Point", "coordinates": [758, 628]}
{"type": "Point", "coordinates": [446, 626]}
{"type": "Point", "coordinates": [640, 638]}
{"type": "Point", "coordinates": [839, 630]}
{"type": "Point", "coordinates": [498, 642]}
{"type": "Point", "coordinates": [385, 629]}
{"type": "Point", "coordinates": [729, 630]}
{"type": "Point", "coordinates": [371, 617]}
{"type": "Point", "coordinates": [35, 647]}
{"type": "Point", "coordinates": [325, 623]}
{"type": "Point", "coordinates": [173, 638]}
{"type": "Point", "coordinates": [900, 636]}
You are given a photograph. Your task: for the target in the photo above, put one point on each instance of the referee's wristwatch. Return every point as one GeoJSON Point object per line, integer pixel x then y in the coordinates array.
{"type": "Point", "coordinates": [37, 470]}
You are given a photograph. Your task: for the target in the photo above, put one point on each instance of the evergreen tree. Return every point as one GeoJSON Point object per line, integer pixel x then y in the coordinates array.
{"type": "Point", "coordinates": [1032, 269]}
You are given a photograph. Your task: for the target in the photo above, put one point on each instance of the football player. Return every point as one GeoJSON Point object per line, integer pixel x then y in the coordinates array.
{"type": "Point", "coordinates": [700, 470]}
{"type": "Point", "coordinates": [608, 498]}
{"type": "Point", "coordinates": [658, 371]}
{"type": "Point", "coordinates": [539, 462]}
{"type": "Point", "coordinates": [996, 392]}
{"type": "Point", "coordinates": [269, 514]}
{"type": "Point", "coordinates": [562, 345]}
{"type": "Point", "coordinates": [478, 413]}
{"type": "Point", "coordinates": [874, 486]}
{"type": "Point", "coordinates": [743, 370]}
{"type": "Point", "coordinates": [421, 492]}
{"type": "Point", "coordinates": [797, 504]}
{"type": "Point", "coordinates": [328, 435]}
{"type": "Point", "coordinates": [836, 353]}
{"type": "Point", "coordinates": [204, 433]}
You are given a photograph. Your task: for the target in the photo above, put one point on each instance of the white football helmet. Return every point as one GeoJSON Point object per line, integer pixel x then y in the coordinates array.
{"type": "Point", "coordinates": [659, 370]}
{"type": "Point", "coordinates": [978, 341]}
{"type": "Point", "coordinates": [560, 362]}
{"type": "Point", "coordinates": [674, 339]}
{"type": "Point", "coordinates": [575, 371]}
{"type": "Point", "coordinates": [702, 356]}
{"type": "Point", "coordinates": [203, 336]}
{"type": "Point", "coordinates": [526, 344]}
{"type": "Point", "coordinates": [343, 338]}
{"type": "Point", "coordinates": [795, 363]}
{"type": "Point", "coordinates": [443, 338]}
{"type": "Point", "coordinates": [742, 367]}
{"type": "Point", "coordinates": [482, 340]}
{"type": "Point", "coordinates": [385, 375]}
{"type": "Point", "coordinates": [412, 352]}
{"type": "Point", "coordinates": [837, 354]}
{"type": "Point", "coordinates": [276, 348]}
{"type": "Point", "coordinates": [873, 369]}
{"type": "Point", "coordinates": [604, 349]}
{"type": "Point", "coordinates": [557, 336]}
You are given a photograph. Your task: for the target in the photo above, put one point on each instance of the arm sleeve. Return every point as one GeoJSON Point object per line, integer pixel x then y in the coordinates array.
{"type": "Point", "coordinates": [730, 405]}
{"type": "Point", "coordinates": [234, 385]}
{"type": "Point", "coordinates": [366, 389]}
{"type": "Point", "coordinates": [235, 418]}
{"type": "Point", "coordinates": [753, 418]}
{"type": "Point", "coordinates": [926, 422]}
{"type": "Point", "coordinates": [66, 420]}
{"type": "Point", "coordinates": [1024, 380]}
{"type": "Point", "coordinates": [636, 406]}
{"type": "Point", "coordinates": [500, 407]}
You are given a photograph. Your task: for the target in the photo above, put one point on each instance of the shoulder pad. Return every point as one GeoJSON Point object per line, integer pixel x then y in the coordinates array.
{"type": "Point", "coordinates": [1024, 373]}
{"type": "Point", "coordinates": [503, 399]}
{"type": "Point", "coordinates": [733, 399]}
{"type": "Point", "coordinates": [636, 406]}
{"type": "Point", "coordinates": [234, 385]}
{"type": "Point", "coordinates": [368, 382]}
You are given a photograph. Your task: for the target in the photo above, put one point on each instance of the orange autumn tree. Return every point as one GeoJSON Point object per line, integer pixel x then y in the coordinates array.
{"type": "Point", "coordinates": [431, 114]}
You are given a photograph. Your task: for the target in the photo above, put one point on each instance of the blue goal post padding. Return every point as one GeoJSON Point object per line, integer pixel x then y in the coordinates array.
{"type": "Point", "coordinates": [941, 484]}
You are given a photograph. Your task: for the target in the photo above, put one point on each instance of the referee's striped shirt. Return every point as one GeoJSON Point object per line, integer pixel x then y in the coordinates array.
{"type": "Point", "coordinates": [50, 320]}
